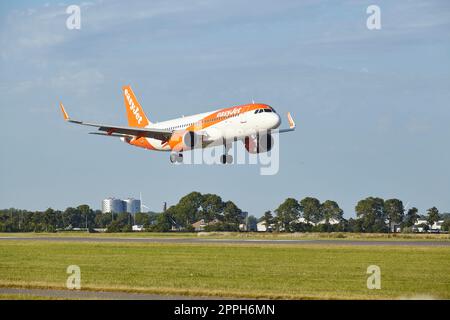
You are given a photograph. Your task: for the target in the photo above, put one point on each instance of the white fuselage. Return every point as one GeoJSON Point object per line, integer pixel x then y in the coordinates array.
{"type": "Point", "coordinates": [223, 124]}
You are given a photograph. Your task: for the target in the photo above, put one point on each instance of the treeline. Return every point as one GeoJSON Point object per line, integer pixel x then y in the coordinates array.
{"type": "Point", "coordinates": [372, 215]}
{"type": "Point", "coordinates": [307, 215]}
{"type": "Point", "coordinates": [217, 214]}
{"type": "Point", "coordinates": [81, 217]}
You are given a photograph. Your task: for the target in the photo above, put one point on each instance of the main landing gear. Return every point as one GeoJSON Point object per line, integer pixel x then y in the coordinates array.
{"type": "Point", "coordinates": [226, 158]}
{"type": "Point", "coordinates": [176, 157]}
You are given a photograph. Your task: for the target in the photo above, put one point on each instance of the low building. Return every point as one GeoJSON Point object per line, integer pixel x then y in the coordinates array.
{"type": "Point", "coordinates": [201, 224]}
{"type": "Point", "coordinates": [331, 221]}
{"type": "Point", "coordinates": [262, 227]}
{"type": "Point", "coordinates": [137, 227]}
{"type": "Point", "coordinates": [420, 226]}
{"type": "Point", "coordinates": [323, 221]}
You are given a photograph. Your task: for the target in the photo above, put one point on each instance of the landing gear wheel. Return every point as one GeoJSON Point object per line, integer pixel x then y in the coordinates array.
{"type": "Point", "coordinates": [226, 159]}
{"type": "Point", "coordinates": [176, 157]}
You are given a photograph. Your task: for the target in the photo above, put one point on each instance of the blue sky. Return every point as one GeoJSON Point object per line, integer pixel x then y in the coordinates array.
{"type": "Point", "coordinates": [372, 107]}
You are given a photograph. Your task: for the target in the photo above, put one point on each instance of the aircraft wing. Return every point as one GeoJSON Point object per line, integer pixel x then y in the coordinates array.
{"type": "Point", "coordinates": [116, 131]}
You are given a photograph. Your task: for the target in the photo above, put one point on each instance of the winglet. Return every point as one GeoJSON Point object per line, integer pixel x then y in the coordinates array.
{"type": "Point", "coordinates": [291, 121]}
{"type": "Point", "coordinates": [65, 115]}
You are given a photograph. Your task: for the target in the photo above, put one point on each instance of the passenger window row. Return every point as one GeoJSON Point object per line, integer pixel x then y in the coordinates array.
{"type": "Point", "coordinates": [202, 121]}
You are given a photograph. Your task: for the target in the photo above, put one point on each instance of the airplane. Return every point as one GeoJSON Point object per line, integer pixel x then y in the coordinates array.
{"type": "Point", "coordinates": [251, 123]}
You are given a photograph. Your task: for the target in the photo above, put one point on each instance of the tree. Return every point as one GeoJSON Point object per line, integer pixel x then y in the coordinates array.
{"type": "Point", "coordinates": [102, 220]}
{"type": "Point", "coordinates": [446, 225]}
{"type": "Point", "coordinates": [311, 209]}
{"type": "Point", "coordinates": [268, 219]}
{"type": "Point", "coordinates": [251, 223]}
{"type": "Point", "coordinates": [433, 216]}
{"type": "Point", "coordinates": [394, 212]}
{"type": "Point", "coordinates": [287, 212]}
{"type": "Point", "coordinates": [72, 218]}
{"type": "Point", "coordinates": [411, 217]}
{"type": "Point", "coordinates": [331, 210]}
{"type": "Point", "coordinates": [371, 216]}
{"type": "Point", "coordinates": [49, 220]}
{"type": "Point", "coordinates": [186, 211]}
{"type": "Point", "coordinates": [163, 222]}
{"type": "Point", "coordinates": [143, 218]}
{"type": "Point", "coordinates": [232, 214]}
{"type": "Point", "coordinates": [87, 216]}
{"type": "Point", "coordinates": [212, 207]}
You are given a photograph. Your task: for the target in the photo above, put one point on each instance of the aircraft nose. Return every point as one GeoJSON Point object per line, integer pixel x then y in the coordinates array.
{"type": "Point", "coordinates": [276, 120]}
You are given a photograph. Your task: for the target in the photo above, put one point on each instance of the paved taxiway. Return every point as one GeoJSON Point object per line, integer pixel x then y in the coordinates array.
{"type": "Point", "coordinates": [98, 295]}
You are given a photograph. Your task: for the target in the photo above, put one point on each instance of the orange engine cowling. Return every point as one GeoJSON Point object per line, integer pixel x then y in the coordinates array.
{"type": "Point", "coordinates": [185, 140]}
{"type": "Point", "coordinates": [191, 140]}
{"type": "Point", "coordinates": [259, 143]}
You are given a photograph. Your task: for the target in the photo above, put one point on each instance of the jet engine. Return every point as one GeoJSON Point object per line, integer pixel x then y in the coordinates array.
{"type": "Point", "coordinates": [191, 140]}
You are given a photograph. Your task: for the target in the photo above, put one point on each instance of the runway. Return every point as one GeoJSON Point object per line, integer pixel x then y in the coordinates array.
{"type": "Point", "coordinates": [342, 242]}
{"type": "Point", "coordinates": [99, 295]}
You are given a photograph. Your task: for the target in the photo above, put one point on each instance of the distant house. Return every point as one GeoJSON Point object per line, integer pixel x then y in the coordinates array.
{"type": "Point", "coordinates": [261, 227]}
{"type": "Point", "coordinates": [324, 221]}
{"type": "Point", "coordinates": [302, 220]}
{"type": "Point", "coordinates": [331, 221]}
{"type": "Point", "coordinates": [137, 227]}
{"type": "Point", "coordinates": [419, 226]}
{"type": "Point", "coordinates": [201, 224]}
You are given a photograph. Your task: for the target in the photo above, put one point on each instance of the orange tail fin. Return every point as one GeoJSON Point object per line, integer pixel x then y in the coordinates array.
{"type": "Point", "coordinates": [135, 113]}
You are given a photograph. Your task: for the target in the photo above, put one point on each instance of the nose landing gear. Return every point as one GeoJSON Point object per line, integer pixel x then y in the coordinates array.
{"type": "Point", "coordinates": [176, 157]}
{"type": "Point", "coordinates": [226, 158]}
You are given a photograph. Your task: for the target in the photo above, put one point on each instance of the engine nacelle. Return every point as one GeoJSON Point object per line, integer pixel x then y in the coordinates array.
{"type": "Point", "coordinates": [259, 143]}
{"type": "Point", "coordinates": [191, 140]}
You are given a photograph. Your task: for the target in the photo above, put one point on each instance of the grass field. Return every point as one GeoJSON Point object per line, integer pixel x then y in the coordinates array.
{"type": "Point", "coordinates": [231, 270]}
{"type": "Point", "coordinates": [245, 235]}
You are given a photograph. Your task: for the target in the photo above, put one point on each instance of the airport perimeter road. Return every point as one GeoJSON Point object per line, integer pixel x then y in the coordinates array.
{"type": "Point", "coordinates": [236, 241]}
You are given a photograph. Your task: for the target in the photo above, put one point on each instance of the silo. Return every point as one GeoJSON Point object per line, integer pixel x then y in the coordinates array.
{"type": "Point", "coordinates": [113, 205]}
{"type": "Point", "coordinates": [132, 205]}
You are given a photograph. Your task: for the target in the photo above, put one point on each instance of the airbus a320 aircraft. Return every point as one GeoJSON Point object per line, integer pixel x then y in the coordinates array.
{"type": "Point", "coordinates": [250, 123]}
